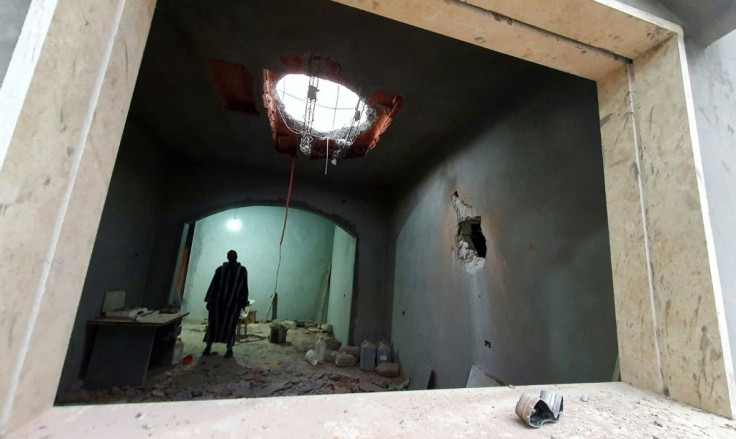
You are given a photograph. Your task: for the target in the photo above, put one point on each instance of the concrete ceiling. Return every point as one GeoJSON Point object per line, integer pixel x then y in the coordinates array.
{"type": "Point", "coordinates": [705, 20]}
{"type": "Point", "coordinates": [447, 85]}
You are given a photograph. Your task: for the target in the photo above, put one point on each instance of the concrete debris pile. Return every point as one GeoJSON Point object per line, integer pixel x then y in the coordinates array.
{"type": "Point", "coordinates": [371, 357]}
{"type": "Point", "coordinates": [258, 369]}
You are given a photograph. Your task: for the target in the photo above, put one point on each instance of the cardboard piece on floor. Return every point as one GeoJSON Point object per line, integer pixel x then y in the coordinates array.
{"type": "Point", "coordinates": [420, 376]}
{"type": "Point", "coordinates": [480, 378]}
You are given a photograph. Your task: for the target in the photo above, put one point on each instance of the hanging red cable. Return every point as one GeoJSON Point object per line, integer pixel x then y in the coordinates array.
{"type": "Point", "coordinates": [288, 200]}
{"type": "Point", "coordinates": [274, 296]}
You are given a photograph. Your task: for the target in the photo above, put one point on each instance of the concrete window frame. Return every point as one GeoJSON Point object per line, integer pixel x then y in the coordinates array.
{"type": "Point", "coordinates": [68, 89]}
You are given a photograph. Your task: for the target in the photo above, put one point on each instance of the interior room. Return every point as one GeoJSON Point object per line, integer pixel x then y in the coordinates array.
{"type": "Point", "coordinates": [472, 238]}
{"type": "Point", "coordinates": [315, 276]}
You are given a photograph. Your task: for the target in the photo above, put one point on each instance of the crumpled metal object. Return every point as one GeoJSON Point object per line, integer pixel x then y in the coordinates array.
{"type": "Point", "coordinates": [538, 410]}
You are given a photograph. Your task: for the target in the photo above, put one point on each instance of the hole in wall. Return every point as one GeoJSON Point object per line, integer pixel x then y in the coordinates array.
{"type": "Point", "coordinates": [470, 243]}
{"type": "Point", "coordinates": [471, 233]}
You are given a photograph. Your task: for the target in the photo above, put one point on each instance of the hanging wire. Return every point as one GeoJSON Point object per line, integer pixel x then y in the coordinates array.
{"type": "Point", "coordinates": [337, 101]}
{"type": "Point", "coordinates": [344, 137]}
{"type": "Point", "coordinates": [327, 155]}
{"type": "Point", "coordinates": [305, 145]}
{"type": "Point", "coordinates": [286, 118]}
{"type": "Point", "coordinates": [334, 116]}
{"type": "Point", "coordinates": [286, 217]}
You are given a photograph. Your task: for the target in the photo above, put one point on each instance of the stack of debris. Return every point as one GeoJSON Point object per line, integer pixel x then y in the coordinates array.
{"type": "Point", "coordinates": [258, 368]}
{"type": "Point", "coordinates": [372, 357]}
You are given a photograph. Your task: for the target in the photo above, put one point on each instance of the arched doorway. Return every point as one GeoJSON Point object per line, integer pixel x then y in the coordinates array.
{"type": "Point", "coordinates": [315, 277]}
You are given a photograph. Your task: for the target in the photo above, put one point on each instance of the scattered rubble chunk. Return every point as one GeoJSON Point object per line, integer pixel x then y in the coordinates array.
{"type": "Point", "coordinates": [404, 385]}
{"type": "Point", "coordinates": [345, 360]}
{"type": "Point", "coordinates": [330, 355]}
{"type": "Point", "coordinates": [303, 345]}
{"type": "Point", "coordinates": [333, 343]}
{"type": "Point", "coordinates": [352, 350]}
{"type": "Point", "coordinates": [390, 370]}
{"type": "Point", "coordinates": [370, 387]}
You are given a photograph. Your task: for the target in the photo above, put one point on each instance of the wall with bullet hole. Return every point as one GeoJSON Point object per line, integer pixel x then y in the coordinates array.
{"type": "Point", "coordinates": [540, 308]}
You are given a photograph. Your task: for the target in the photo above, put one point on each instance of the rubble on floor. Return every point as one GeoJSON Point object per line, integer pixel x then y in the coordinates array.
{"type": "Point", "coordinates": [258, 369]}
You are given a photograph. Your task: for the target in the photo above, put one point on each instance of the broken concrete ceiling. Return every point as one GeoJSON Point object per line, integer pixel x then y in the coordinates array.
{"type": "Point", "coordinates": [447, 85]}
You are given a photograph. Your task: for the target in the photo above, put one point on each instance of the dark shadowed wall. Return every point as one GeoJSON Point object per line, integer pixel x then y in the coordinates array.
{"type": "Point", "coordinates": [124, 240]}
{"type": "Point", "coordinates": [544, 299]}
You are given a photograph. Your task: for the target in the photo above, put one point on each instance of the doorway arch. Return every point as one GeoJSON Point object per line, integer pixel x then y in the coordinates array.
{"type": "Point", "coordinates": [315, 266]}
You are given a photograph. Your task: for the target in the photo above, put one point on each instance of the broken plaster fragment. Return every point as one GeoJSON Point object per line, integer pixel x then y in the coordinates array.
{"type": "Point", "coordinates": [463, 209]}
{"type": "Point", "coordinates": [537, 411]}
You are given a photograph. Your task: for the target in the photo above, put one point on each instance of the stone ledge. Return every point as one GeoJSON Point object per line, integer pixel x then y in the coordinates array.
{"type": "Point", "coordinates": [590, 410]}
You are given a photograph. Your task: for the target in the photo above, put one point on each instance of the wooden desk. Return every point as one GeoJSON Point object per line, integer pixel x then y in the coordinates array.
{"type": "Point", "coordinates": [122, 351]}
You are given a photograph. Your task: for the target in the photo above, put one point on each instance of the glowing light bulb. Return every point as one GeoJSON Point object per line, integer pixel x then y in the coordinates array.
{"type": "Point", "coordinates": [234, 225]}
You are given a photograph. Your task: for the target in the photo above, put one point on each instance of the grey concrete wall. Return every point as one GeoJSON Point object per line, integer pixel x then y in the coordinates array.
{"type": "Point", "coordinates": [341, 283]}
{"type": "Point", "coordinates": [12, 15]}
{"type": "Point", "coordinates": [713, 78]}
{"type": "Point", "coordinates": [544, 299]}
{"type": "Point", "coordinates": [124, 240]}
{"type": "Point", "coordinates": [195, 191]}
{"type": "Point", "coordinates": [306, 254]}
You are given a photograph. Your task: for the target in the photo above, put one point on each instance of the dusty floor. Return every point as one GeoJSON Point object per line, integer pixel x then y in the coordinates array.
{"type": "Point", "coordinates": [258, 369]}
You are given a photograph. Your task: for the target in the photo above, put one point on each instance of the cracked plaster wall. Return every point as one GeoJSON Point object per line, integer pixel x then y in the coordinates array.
{"type": "Point", "coordinates": [544, 299]}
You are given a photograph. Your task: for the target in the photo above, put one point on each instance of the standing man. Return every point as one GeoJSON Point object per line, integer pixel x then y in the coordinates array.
{"type": "Point", "coordinates": [226, 297]}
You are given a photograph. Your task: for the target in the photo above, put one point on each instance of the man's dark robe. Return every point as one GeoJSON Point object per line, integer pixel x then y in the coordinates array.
{"type": "Point", "coordinates": [226, 297]}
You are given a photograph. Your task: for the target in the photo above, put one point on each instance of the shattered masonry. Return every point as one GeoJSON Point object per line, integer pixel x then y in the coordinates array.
{"type": "Point", "coordinates": [463, 250]}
